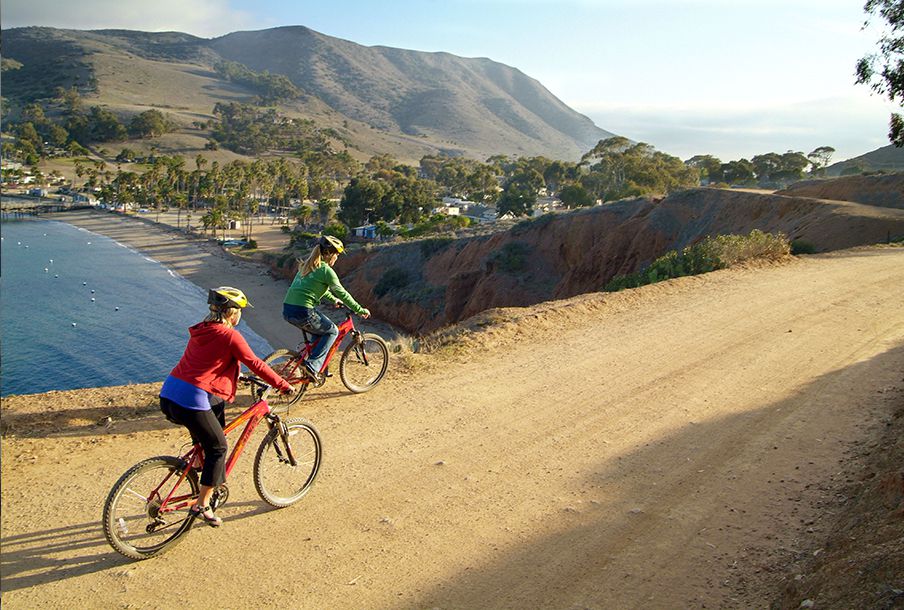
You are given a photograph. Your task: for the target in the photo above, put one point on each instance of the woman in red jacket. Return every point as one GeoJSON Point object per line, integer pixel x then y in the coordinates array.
{"type": "Point", "coordinates": [196, 391]}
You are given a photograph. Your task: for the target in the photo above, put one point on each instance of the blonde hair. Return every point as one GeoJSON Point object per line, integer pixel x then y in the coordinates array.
{"type": "Point", "coordinates": [222, 315]}
{"type": "Point", "coordinates": [313, 261]}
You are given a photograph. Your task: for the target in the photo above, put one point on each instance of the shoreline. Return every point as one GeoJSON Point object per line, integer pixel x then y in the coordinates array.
{"type": "Point", "coordinates": [201, 262]}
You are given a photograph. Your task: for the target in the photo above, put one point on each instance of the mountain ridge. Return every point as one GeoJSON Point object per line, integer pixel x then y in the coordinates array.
{"type": "Point", "coordinates": [467, 106]}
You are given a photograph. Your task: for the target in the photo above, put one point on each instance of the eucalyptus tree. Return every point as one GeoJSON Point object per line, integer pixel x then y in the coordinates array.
{"type": "Point", "coordinates": [767, 166]}
{"type": "Point", "coordinates": [709, 167]}
{"type": "Point", "coordinates": [793, 165]}
{"type": "Point", "coordinates": [820, 158]}
{"type": "Point", "coordinates": [361, 200]}
{"type": "Point", "coordinates": [884, 71]}
{"type": "Point", "coordinates": [575, 196]}
{"type": "Point", "coordinates": [517, 199]}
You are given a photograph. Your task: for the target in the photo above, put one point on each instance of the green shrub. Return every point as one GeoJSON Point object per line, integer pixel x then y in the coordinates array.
{"type": "Point", "coordinates": [734, 249]}
{"type": "Point", "coordinates": [422, 294]}
{"type": "Point", "coordinates": [303, 239]}
{"type": "Point", "coordinates": [336, 230]}
{"type": "Point", "coordinates": [393, 279]}
{"type": "Point", "coordinates": [512, 257]}
{"type": "Point", "coordinates": [532, 223]}
{"type": "Point", "coordinates": [285, 229]}
{"type": "Point", "coordinates": [710, 254]}
{"type": "Point", "coordinates": [431, 246]}
{"type": "Point", "coordinates": [251, 244]}
{"type": "Point", "coordinates": [799, 246]}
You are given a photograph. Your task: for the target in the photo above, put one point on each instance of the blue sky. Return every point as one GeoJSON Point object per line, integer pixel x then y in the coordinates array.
{"type": "Point", "coordinates": [733, 78]}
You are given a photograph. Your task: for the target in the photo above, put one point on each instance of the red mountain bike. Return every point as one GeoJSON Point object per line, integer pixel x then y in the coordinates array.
{"type": "Point", "coordinates": [363, 364]}
{"type": "Point", "coordinates": [147, 511]}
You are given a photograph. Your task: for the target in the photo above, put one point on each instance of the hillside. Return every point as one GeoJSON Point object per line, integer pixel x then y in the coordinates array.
{"type": "Point", "coordinates": [884, 190]}
{"type": "Point", "coordinates": [379, 99]}
{"type": "Point", "coordinates": [886, 159]}
{"type": "Point", "coordinates": [434, 283]}
{"type": "Point", "coordinates": [720, 441]}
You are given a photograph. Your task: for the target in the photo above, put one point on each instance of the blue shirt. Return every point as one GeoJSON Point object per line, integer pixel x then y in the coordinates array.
{"type": "Point", "coordinates": [185, 394]}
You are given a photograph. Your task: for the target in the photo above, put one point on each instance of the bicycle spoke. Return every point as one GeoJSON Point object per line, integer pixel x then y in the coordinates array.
{"type": "Point", "coordinates": [278, 482]}
{"type": "Point", "coordinates": [139, 525]}
{"type": "Point", "coordinates": [143, 499]}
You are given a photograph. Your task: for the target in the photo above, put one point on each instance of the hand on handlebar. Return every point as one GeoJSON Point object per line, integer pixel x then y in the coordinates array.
{"type": "Point", "coordinates": [365, 314]}
{"type": "Point", "coordinates": [290, 392]}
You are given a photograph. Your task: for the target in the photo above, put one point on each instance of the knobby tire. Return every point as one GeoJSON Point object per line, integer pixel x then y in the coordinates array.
{"type": "Point", "coordinates": [132, 505]}
{"type": "Point", "coordinates": [357, 376]}
{"type": "Point", "coordinates": [287, 364]}
{"type": "Point", "coordinates": [278, 483]}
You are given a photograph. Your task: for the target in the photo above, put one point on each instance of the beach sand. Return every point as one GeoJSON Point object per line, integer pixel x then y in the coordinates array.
{"type": "Point", "coordinates": [206, 264]}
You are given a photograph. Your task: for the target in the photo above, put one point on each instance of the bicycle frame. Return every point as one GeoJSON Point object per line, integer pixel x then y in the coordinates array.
{"type": "Point", "coordinates": [345, 327]}
{"type": "Point", "coordinates": [251, 417]}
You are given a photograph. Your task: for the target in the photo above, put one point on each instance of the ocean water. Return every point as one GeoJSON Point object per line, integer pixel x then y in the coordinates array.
{"type": "Point", "coordinates": [78, 310]}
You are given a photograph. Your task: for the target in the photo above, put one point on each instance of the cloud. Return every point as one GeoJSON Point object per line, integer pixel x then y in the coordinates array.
{"type": "Point", "coordinates": [205, 18]}
{"type": "Point", "coordinates": [852, 125]}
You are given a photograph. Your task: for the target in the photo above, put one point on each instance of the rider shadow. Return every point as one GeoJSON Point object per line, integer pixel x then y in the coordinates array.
{"type": "Point", "coordinates": [57, 554]}
{"type": "Point", "coordinates": [45, 556]}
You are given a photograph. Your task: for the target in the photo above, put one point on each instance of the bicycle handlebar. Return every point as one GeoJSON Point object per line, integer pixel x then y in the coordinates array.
{"type": "Point", "coordinates": [256, 381]}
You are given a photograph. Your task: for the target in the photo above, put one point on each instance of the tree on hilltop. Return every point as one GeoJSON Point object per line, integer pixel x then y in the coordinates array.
{"type": "Point", "coordinates": [820, 157]}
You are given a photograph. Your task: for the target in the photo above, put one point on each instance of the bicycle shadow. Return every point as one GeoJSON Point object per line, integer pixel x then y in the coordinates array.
{"type": "Point", "coordinates": [57, 554]}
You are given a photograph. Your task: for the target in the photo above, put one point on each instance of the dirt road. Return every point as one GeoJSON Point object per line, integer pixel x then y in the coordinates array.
{"type": "Point", "coordinates": [659, 448]}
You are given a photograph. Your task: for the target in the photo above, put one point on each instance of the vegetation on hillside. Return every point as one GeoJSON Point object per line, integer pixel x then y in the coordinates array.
{"type": "Point", "coordinates": [63, 126]}
{"type": "Point", "coordinates": [708, 255]}
{"type": "Point", "coordinates": [251, 130]}
{"type": "Point", "coordinates": [271, 88]}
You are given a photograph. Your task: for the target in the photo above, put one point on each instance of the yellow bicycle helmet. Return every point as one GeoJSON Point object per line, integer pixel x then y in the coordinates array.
{"type": "Point", "coordinates": [228, 297]}
{"type": "Point", "coordinates": [330, 244]}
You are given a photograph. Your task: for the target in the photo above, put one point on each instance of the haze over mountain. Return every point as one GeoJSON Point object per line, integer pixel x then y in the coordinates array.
{"type": "Point", "coordinates": [380, 99]}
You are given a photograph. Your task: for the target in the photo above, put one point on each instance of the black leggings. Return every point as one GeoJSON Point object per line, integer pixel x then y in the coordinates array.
{"type": "Point", "coordinates": [206, 427]}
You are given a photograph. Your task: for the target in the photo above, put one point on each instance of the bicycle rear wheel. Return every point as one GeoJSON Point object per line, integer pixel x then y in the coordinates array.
{"type": "Point", "coordinates": [288, 365]}
{"type": "Point", "coordinates": [133, 521]}
{"type": "Point", "coordinates": [364, 364]}
{"type": "Point", "coordinates": [279, 483]}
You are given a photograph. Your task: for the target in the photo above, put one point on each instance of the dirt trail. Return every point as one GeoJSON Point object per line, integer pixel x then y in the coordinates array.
{"type": "Point", "coordinates": [658, 448]}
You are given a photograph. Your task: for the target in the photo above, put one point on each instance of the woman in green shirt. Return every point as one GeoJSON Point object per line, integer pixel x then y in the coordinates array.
{"type": "Point", "coordinates": [315, 280]}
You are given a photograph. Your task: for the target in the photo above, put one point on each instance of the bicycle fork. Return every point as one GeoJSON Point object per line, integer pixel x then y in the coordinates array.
{"type": "Point", "coordinates": [360, 352]}
{"type": "Point", "coordinates": [283, 453]}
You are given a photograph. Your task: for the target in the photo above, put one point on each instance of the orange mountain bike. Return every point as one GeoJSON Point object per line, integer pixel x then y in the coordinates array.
{"type": "Point", "coordinates": [363, 364]}
{"type": "Point", "coordinates": [147, 511]}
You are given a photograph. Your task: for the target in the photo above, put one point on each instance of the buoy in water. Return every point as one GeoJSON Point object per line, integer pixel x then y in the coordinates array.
{"type": "Point", "coordinates": [46, 269]}
{"type": "Point", "coordinates": [92, 299]}
{"type": "Point", "coordinates": [116, 309]}
{"type": "Point", "coordinates": [51, 261]}
{"type": "Point", "coordinates": [84, 283]}
{"type": "Point", "coordinates": [56, 276]}
{"type": "Point", "coordinates": [73, 323]}
{"type": "Point", "coordinates": [92, 292]}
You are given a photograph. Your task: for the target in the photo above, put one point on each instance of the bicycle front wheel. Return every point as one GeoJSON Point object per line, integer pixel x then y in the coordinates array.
{"type": "Point", "coordinates": [287, 365]}
{"type": "Point", "coordinates": [146, 512]}
{"type": "Point", "coordinates": [364, 363]}
{"type": "Point", "coordinates": [278, 482]}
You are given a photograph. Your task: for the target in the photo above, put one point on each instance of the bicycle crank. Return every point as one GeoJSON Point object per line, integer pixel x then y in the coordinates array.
{"type": "Point", "coordinates": [219, 496]}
